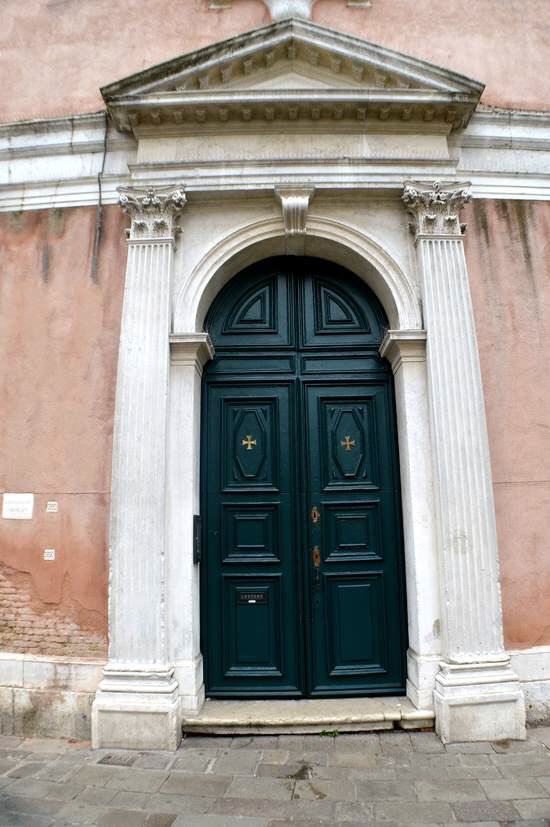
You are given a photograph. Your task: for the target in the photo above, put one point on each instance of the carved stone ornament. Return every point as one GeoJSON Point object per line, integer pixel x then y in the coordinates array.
{"type": "Point", "coordinates": [295, 204]}
{"type": "Point", "coordinates": [154, 211]}
{"type": "Point", "coordinates": [289, 8]}
{"type": "Point", "coordinates": [435, 210]}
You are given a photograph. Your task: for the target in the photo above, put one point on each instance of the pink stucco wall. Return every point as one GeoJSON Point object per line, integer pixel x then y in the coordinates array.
{"type": "Point", "coordinates": [57, 53]}
{"type": "Point", "coordinates": [508, 252]}
{"type": "Point", "coordinates": [59, 332]}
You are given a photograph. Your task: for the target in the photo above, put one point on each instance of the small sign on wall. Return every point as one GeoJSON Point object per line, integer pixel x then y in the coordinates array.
{"type": "Point", "coordinates": [49, 554]}
{"type": "Point", "coordinates": [52, 507]}
{"type": "Point", "coordinates": [17, 506]}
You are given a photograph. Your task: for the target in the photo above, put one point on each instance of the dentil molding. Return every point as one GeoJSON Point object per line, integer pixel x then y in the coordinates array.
{"type": "Point", "coordinates": [154, 211]}
{"type": "Point", "coordinates": [435, 211]}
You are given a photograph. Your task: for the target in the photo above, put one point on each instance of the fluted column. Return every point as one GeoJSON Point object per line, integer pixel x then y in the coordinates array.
{"type": "Point", "coordinates": [477, 695]}
{"type": "Point", "coordinates": [137, 703]}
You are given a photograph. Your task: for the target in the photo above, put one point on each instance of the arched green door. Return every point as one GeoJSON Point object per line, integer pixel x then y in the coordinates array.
{"type": "Point", "coordinates": [302, 576]}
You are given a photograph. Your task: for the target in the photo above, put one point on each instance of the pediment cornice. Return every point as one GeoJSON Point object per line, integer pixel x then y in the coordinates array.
{"type": "Point", "coordinates": [345, 79]}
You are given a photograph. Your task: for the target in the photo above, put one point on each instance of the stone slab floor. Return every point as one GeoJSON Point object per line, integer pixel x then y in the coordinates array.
{"type": "Point", "coordinates": [392, 778]}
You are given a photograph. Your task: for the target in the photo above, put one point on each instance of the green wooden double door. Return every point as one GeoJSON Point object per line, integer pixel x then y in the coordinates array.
{"type": "Point", "coordinates": [302, 577]}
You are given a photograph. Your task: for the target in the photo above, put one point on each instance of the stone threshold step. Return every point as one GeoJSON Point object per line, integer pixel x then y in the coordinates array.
{"type": "Point", "coordinates": [282, 717]}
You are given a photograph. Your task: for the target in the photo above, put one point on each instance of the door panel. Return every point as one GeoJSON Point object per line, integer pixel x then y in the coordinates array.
{"type": "Point", "coordinates": [355, 593]}
{"type": "Point", "coordinates": [302, 589]}
{"type": "Point", "coordinates": [252, 575]}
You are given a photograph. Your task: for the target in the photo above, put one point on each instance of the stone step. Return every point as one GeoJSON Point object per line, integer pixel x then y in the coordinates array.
{"type": "Point", "coordinates": [247, 717]}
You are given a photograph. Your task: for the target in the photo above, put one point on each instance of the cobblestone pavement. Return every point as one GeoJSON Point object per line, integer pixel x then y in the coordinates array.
{"type": "Point", "coordinates": [392, 778]}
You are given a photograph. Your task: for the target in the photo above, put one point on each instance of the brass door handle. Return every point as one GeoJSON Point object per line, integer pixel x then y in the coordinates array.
{"type": "Point", "coordinates": [316, 558]}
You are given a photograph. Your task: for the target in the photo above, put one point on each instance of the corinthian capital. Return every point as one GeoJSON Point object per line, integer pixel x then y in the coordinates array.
{"type": "Point", "coordinates": [154, 211]}
{"type": "Point", "coordinates": [435, 210]}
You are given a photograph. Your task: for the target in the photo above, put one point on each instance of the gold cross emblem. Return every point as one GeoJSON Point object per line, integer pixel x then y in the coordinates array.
{"type": "Point", "coordinates": [348, 443]}
{"type": "Point", "coordinates": [248, 443]}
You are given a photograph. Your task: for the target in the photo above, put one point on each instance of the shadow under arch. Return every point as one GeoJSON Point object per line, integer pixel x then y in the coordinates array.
{"type": "Point", "coordinates": [326, 238]}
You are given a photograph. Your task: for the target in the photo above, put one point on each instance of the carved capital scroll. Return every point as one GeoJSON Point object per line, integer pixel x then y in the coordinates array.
{"type": "Point", "coordinates": [154, 211]}
{"type": "Point", "coordinates": [435, 211]}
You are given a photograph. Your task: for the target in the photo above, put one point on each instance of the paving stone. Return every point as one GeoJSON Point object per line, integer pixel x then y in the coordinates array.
{"type": "Point", "coordinates": [282, 771]}
{"type": "Point", "coordinates": [246, 787]}
{"type": "Point", "coordinates": [452, 790]}
{"type": "Point", "coordinates": [129, 800]}
{"type": "Point", "coordinates": [195, 760]}
{"type": "Point", "coordinates": [475, 760]}
{"type": "Point", "coordinates": [5, 765]}
{"type": "Point", "coordinates": [56, 771]}
{"type": "Point", "coordinates": [518, 759]}
{"type": "Point", "coordinates": [33, 788]}
{"type": "Point", "coordinates": [353, 811]}
{"type": "Point", "coordinates": [426, 742]}
{"type": "Point", "coordinates": [474, 772]}
{"type": "Point", "coordinates": [545, 783]}
{"type": "Point", "coordinates": [27, 769]}
{"type": "Point", "coordinates": [92, 775]}
{"type": "Point", "coordinates": [411, 811]}
{"type": "Point", "coordinates": [187, 804]}
{"type": "Point", "coordinates": [23, 820]}
{"type": "Point", "coordinates": [219, 821]}
{"type": "Point", "coordinates": [507, 789]}
{"type": "Point", "coordinates": [274, 808]}
{"type": "Point", "coordinates": [358, 743]}
{"type": "Point", "coordinates": [96, 795]}
{"type": "Point", "coordinates": [294, 743]}
{"type": "Point", "coordinates": [469, 747]}
{"type": "Point", "coordinates": [275, 756]}
{"type": "Point", "coordinates": [206, 742]}
{"type": "Point", "coordinates": [30, 806]}
{"type": "Point", "coordinates": [255, 742]}
{"type": "Point", "coordinates": [442, 760]}
{"type": "Point", "coordinates": [319, 788]}
{"type": "Point", "coordinates": [364, 774]}
{"type": "Point", "coordinates": [183, 783]}
{"type": "Point", "coordinates": [240, 762]}
{"type": "Point", "coordinates": [533, 808]}
{"type": "Point", "coordinates": [353, 759]}
{"type": "Point", "coordinates": [507, 747]}
{"type": "Point", "coordinates": [395, 742]}
{"type": "Point", "coordinates": [154, 760]}
{"type": "Point", "coordinates": [485, 811]}
{"type": "Point", "coordinates": [147, 781]}
{"type": "Point", "coordinates": [385, 790]}
{"type": "Point", "coordinates": [122, 818]}
{"type": "Point", "coordinates": [523, 770]}
{"type": "Point", "coordinates": [81, 812]}
{"type": "Point", "coordinates": [160, 819]}
{"type": "Point", "coordinates": [308, 757]}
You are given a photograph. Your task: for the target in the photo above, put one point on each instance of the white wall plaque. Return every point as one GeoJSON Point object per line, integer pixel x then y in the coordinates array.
{"type": "Point", "coordinates": [52, 507]}
{"type": "Point", "coordinates": [17, 506]}
{"type": "Point", "coordinates": [49, 554]}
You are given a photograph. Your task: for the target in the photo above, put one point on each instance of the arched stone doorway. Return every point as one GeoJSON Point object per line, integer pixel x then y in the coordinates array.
{"type": "Point", "coordinates": [302, 574]}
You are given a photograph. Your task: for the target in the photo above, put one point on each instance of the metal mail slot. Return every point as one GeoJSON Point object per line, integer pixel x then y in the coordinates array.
{"type": "Point", "coordinates": [252, 597]}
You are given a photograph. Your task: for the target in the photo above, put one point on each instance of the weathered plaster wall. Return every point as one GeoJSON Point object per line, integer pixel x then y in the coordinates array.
{"type": "Point", "coordinates": [59, 331]}
{"type": "Point", "coordinates": [508, 252]}
{"type": "Point", "coordinates": [57, 53]}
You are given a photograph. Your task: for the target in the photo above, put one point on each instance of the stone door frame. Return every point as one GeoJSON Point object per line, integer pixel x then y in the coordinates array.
{"type": "Point", "coordinates": [457, 666]}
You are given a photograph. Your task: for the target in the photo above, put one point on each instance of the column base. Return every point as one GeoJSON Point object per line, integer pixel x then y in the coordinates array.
{"type": "Point", "coordinates": [479, 702]}
{"type": "Point", "coordinates": [189, 675]}
{"type": "Point", "coordinates": [421, 672]}
{"type": "Point", "coordinates": [136, 709]}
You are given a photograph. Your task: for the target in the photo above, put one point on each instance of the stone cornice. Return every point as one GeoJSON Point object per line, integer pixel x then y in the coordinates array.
{"type": "Point", "coordinates": [194, 109]}
{"type": "Point", "coordinates": [154, 211]}
{"type": "Point", "coordinates": [435, 210]}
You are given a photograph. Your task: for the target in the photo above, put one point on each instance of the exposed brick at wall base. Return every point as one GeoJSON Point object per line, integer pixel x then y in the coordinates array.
{"type": "Point", "coordinates": [25, 627]}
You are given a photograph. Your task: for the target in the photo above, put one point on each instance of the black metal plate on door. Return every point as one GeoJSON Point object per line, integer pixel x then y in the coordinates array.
{"type": "Point", "coordinates": [252, 597]}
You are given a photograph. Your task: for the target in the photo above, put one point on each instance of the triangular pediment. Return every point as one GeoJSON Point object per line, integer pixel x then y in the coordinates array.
{"type": "Point", "coordinates": [291, 69]}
